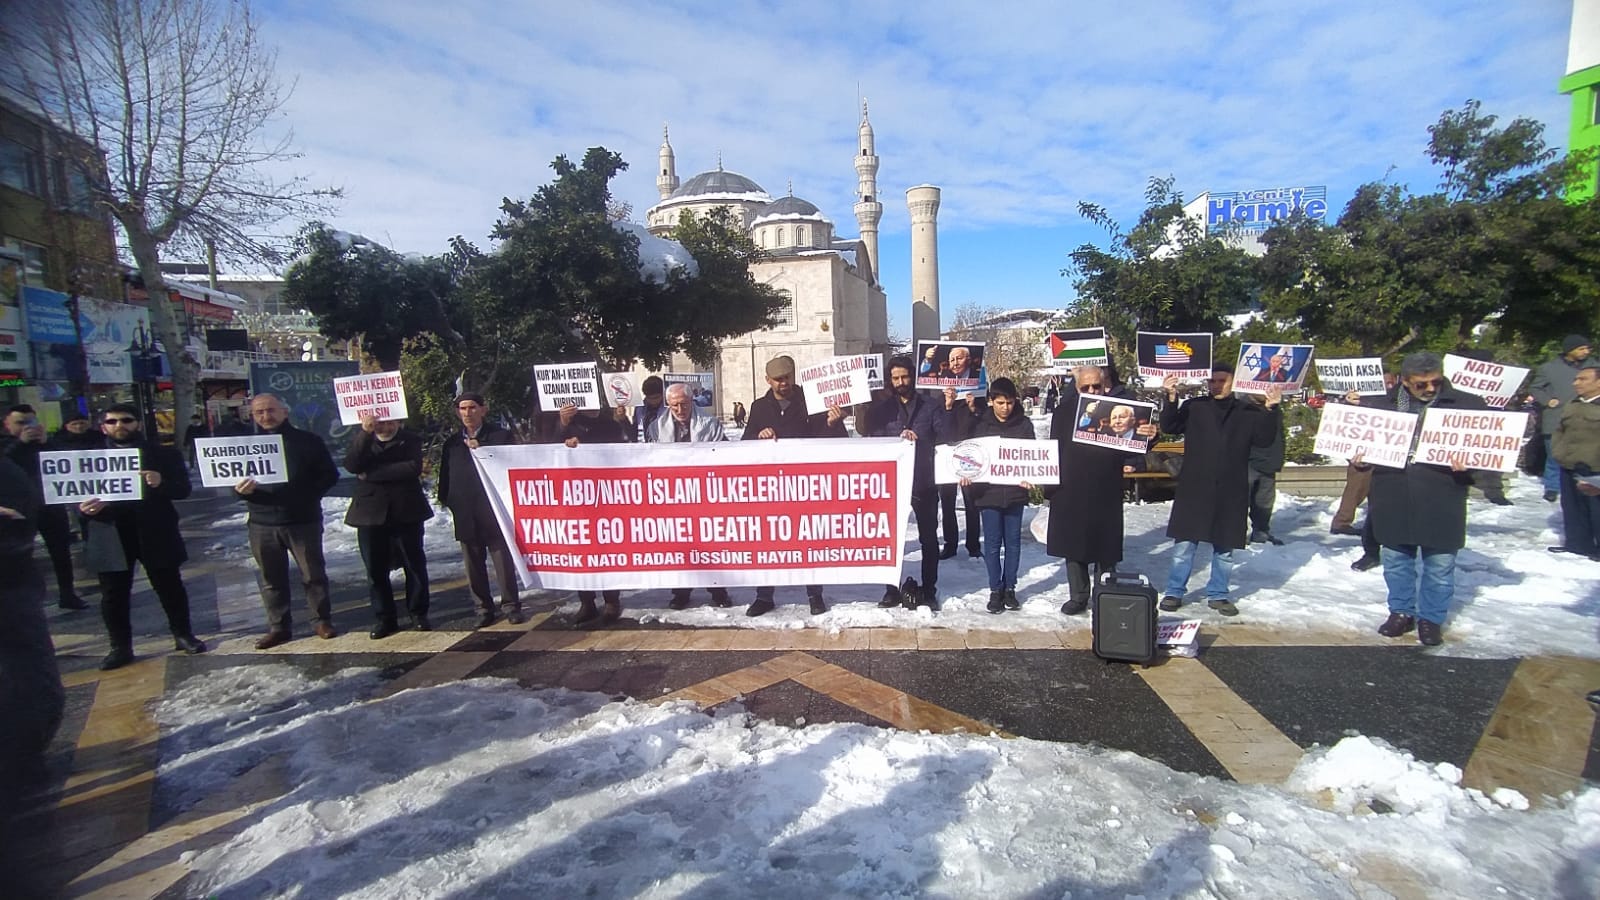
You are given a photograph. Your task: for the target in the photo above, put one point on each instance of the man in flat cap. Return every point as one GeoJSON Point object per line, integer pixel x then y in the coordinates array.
{"type": "Point", "coordinates": [781, 413]}
{"type": "Point", "coordinates": [1552, 389]}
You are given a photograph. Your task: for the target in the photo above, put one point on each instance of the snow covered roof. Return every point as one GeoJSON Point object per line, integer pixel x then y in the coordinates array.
{"type": "Point", "coordinates": [767, 218]}
{"type": "Point", "coordinates": [657, 255]}
{"type": "Point", "coordinates": [719, 183]}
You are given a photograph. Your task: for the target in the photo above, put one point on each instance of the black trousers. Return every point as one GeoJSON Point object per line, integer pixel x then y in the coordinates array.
{"type": "Point", "coordinates": [31, 704]}
{"type": "Point", "coordinates": [1081, 576]}
{"type": "Point", "coordinates": [116, 600]}
{"type": "Point", "coordinates": [925, 507]}
{"type": "Point", "coordinates": [56, 530]}
{"type": "Point", "coordinates": [378, 545]}
{"type": "Point", "coordinates": [1263, 495]}
{"type": "Point", "coordinates": [950, 524]}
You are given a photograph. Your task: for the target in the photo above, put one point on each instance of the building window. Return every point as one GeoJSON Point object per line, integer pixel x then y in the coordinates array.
{"type": "Point", "coordinates": [780, 237]}
{"type": "Point", "coordinates": [72, 190]}
{"type": "Point", "coordinates": [1594, 109]}
{"type": "Point", "coordinates": [20, 167]}
{"type": "Point", "coordinates": [783, 320]}
{"type": "Point", "coordinates": [799, 236]}
{"type": "Point", "coordinates": [33, 260]}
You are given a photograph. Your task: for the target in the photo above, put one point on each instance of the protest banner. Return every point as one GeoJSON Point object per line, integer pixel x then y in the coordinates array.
{"type": "Point", "coordinates": [840, 381]}
{"type": "Point", "coordinates": [1077, 347]}
{"type": "Point", "coordinates": [699, 385]}
{"type": "Point", "coordinates": [745, 513]}
{"type": "Point", "coordinates": [73, 476]}
{"type": "Point", "coordinates": [872, 363]}
{"type": "Point", "coordinates": [567, 384]}
{"type": "Point", "coordinates": [1381, 436]}
{"type": "Point", "coordinates": [622, 389]}
{"type": "Point", "coordinates": [1496, 384]}
{"type": "Point", "coordinates": [380, 393]}
{"type": "Point", "coordinates": [1478, 439]}
{"type": "Point", "coordinates": [954, 364]}
{"type": "Point", "coordinates": [1364, 375]}
{"type": "Point", "coordinates": [1264, 366]}
{"type": "Point", "coordinates": [226, 461]}
{"type": "Point", "coordinates": [1112, 422]}
{"type": "Point", "coordinates": [1187, 356]}
{"type": "Point", "coordinates": [994, 460]}
{"type": "Point", "coordinates": [1177, 637]}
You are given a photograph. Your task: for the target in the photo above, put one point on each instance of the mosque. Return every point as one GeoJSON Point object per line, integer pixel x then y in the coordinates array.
{"type": "Point", "coordinates": [836, 306]}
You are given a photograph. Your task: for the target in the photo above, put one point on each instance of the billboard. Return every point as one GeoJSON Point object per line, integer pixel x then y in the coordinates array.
{"type": "Point", "coordinates": [1256, 210]}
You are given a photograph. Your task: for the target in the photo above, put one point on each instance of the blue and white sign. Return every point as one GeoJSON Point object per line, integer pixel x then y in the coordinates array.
{"type": "Point", "coordinates": [1257, 210]}
{"type": "Point", "coordinates": [45, 313]}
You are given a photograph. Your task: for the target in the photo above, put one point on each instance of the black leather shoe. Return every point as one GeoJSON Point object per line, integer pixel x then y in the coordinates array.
{"type": "Point", "coordinates": [116, 659]}
{"type": "Point", "coordinates": [1397, 624]}
{"type": "Point", "coordinates": [818, 607]}
{"type": "Point", "coordinates": [974, 554]}
{"type": "Point", "coordinates": [486, 619]}
{"type": "Point", "coordinates": [760, 607]}
{"type": "Point", "coordinates": [188, 643]}
{"type": "Point", "coordinates": [680, 600]}
{"type": "Point", "coordinates": [891, 598]}
{"type": "Point", "coordinates": [1365, 563]}
{"type": "Point", "coordinates": [72, 602]}
{"type": "Point", "coordinates": [997, 603]}
{"type": "Point", "coordinates": [421, 623]}
{"type": "Point", "coordinates": [383, 630]}
{"type": "Point", "coordinates": [720, 598]}
{"type": "Point", "coordinates": [947, 553]}
{"type": "Point", "coordinates": [515, 616]}
{"type": "Point", "coordinates": [586, 612]}
{"type": "Point", "coordinates": [1074, 606]}
{"type": "Point", "coordinates": [930, 598]}
{"type": "Point", "coordinates": [1429, 634]}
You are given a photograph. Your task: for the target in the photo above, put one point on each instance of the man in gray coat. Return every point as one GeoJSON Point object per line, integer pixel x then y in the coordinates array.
{"type": "Point", "coordinates": [1552, 390]}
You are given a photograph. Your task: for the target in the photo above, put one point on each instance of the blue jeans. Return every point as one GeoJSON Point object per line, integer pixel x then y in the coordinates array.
{"type": "Point", "coordinates": [1183, 564]}
{"type": "Point", "coordinates": [1552, 469]}
{"type": "Point", "coordinates": [1432, 602]}
{"type": "Point", "coordinates": [1002, 527]}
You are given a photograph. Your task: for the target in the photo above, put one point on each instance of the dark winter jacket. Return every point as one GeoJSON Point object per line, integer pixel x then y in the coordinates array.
{"type": "Point", "coordinates": [925, 416]}
{"type": "Point", "coordinates": [1577, 439]}
{"type": "Point", "coordinates": [1553, 381]}
{"type": "Point", "coordinates": [602, 429]}
{"type": "Point", "coordinates": [1421, 505]}
{"type": "Point", "coordinates": [297, 501]}
{"type": "Point", "coordinates": [17, 492]}
{"type": "Point", "coordinates": [1268, 460]}
{"type": "Point", "coordinates": [461, 490]}
{"type": "Point", "coordinates": [1086, 507]}
{"type": "Point", "coordinates": [793, 422]}
{"type": "Point", "coordinates": [1212, 501]}
{"type": "Point", "coordinates": [1000, 496]}
{"type": "Point", "coordinates": [388, 488]}
{"type": "Point", "coordinates": [145, 530]}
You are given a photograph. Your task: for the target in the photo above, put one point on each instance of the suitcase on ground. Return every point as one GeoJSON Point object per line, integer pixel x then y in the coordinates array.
{"type": "Point", "coordinates": [1123, 607]}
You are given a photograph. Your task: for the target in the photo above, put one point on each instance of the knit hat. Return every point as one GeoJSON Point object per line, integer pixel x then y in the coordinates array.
{"type": "Point", "coordinates": [1004, 387]}
{"type": "Point", "coordinates": [1573, 342]}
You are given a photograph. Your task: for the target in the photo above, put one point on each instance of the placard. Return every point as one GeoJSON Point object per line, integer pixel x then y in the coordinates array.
{"type": "Point", "coordinates": [700, 385]}
{"type": "Point", "coordinates": [622, 389]}
{"type": "Point", "coordinates": [953, 364]}
{"type": "Point", "coordinates": [872, 363]}
{"type": "Point", "coordinates": [1496, 384]}
{"type": "Point", "coordinates": [840, 381]}
{"type": "Point", "coordinates": [1364, 375]}
{"type": "Point", "coordinates": [226, 461]}
{"type": "Point", "coordinates": [1112, 422]}
{"type": "Point", "coordinates": [1478, 439]}
{"type": "Point", "coordinates": [1075, 347]}
{"type": "Point", "coordinates": [1178, 637]}
{"type": "Point", "coordinates": [380, 393]}
{"type": "Point", "coordinates": [73, 476]}
{"type": "Point", "coordinates": [1266, 366]}
{"type": "Point", "coordinates": [560, 385]}
{"type": "Point", "coordinates": [1381, 436]}
{"type": "Point", "coordinates": [995, 460]}
{"type": "Point", "coordinates": [1187, 356]}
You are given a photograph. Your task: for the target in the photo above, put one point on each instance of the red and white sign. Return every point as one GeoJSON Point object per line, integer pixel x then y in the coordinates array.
{"type": "Point", "coordinates": [841, 381]}
{"type": "Point", "coordinates": [739, 514]}
{"type": "Point", "coordinates": [1382, 437]}
{"type": "Point", "coordinates": [381, 393]}
{"type": "Point", "coordinates": [1495, 383]}
{"type": "Point", "coordinates": [1478, 439]}
{"type": "Point", "coordinates": [994, 460]}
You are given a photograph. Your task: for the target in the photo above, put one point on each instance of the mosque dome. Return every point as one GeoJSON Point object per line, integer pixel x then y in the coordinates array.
{"type": "Point", "coordinates": [717, 182]}
{"type": "Point", "coordinates": [788, 206]}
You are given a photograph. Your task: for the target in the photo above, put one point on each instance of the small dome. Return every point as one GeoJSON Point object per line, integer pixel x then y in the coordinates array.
{"type": "Point", "coordinates": [788, 206]}
{"type": "Point", "coordinates": [717, 182]}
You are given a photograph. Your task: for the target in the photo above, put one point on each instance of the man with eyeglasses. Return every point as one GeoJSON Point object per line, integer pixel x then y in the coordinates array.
{"type": "Point", "coordinates": [286, 519]}
{"type": "Point", "coordinates": [145, 531]}
{"type": "Point", "coordinates": [1213, 496]}
{"type": "Point", "coordinates": [1420, 512]}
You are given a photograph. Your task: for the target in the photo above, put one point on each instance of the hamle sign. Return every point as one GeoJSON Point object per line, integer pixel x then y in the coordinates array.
{"type": "Point", "coordinates": [1260, 208]}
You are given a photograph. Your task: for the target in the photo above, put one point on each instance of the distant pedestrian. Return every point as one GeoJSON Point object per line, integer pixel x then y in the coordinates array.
{"type": "Point", "coordinates": [739, 414]}
{"type": "Point", "coordinates": [1551, 388]}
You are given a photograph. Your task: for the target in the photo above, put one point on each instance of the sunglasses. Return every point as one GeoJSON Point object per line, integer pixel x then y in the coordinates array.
{"type": "Point", "coordinates": [1431, 382]}
{"type": "Point", "coordinates": [121, 420]}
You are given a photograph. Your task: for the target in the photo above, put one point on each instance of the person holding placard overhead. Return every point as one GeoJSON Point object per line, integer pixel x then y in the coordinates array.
{"type": "Point", "coordinates": [387, 510]}
{"type": "Point", "coordinates": [143, 531]}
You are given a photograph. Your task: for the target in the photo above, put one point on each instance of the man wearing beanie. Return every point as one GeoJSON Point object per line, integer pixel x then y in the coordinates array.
{"type": "Point", "coordinates": [781, 413]}
{"type": "Point", "coordinates": [1552, 390]}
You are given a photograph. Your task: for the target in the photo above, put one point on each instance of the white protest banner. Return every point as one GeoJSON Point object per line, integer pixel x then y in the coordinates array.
{"type": "Point", "coordinates": [226, 461]}
{"type": "Point", "coordinates": [1113, 422]}
{"type": "Point", "coordinates": [834, 382]}
{"type": "Point", "coordinates": [1265, 366]}
{"type": "Point", "coordinates": [380, 393]}
{"type": "Point", "coordinates": [994, 460]}
{"type": "Point", "coordinates": [1495, 383]}
{"type": "Point", "coordinates": [739, 514]}
{"type": "Point", "coordinates": [567, 384]}
{"type": "Point", "coordinates": [1076, 347]}
{"type": "Point", "coordinates": [622, 390]}
{"type": "Point", "coordinates": [1478, 439]}
{"type": "Point", "coordinates": [1381, 436]}
{"type": "Point", "coordinates": [73, 476]}
{"type": "Point", "coordinates": [1177, 637]}
{"type": "Point", "coordinates": [1364, 375]}
{"type": "Point", "coordinates": [872, 363]}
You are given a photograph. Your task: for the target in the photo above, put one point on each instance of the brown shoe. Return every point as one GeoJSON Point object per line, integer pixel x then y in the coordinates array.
{"type": "Point", "coordinates": [325, 630]}
{"type": "Point", "coordinates": [272, 639]}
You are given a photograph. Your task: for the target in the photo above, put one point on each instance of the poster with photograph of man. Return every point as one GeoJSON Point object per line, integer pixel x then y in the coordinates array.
{"type": "Point", "coordinates": [1114, 422]}
{"type": "Point", "coordinates": [1263, 366]}
{"type": "Point", "coordinates": [953, 364]}
{"type": "Point", "coordinates": [699, 385]}
{"type": "Point", "coordinates": [1187, 356]}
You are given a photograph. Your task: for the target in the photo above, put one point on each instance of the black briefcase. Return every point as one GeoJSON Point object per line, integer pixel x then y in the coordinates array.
{"type": "Point", "coordinates": [1123, 607]}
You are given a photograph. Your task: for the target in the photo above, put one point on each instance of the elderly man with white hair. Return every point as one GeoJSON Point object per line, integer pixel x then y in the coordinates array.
{"type": "Point", "coordinates": [684, 423]}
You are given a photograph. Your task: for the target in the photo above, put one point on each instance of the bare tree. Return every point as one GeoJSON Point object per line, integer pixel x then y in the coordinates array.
{"type": "Point", "coordinates": [180, 102]}
{"type": "Point", "coordinates": [1009, 351]}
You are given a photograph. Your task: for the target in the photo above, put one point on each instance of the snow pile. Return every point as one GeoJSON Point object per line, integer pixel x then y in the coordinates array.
{"type": "Point", "coordinates": [658, 256]}
{"type": "Point", "coordinates": [482, 788]}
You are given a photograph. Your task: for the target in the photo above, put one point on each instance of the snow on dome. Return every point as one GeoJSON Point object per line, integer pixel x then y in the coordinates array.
{"type": "Point", "coordinates": [658, 255]}
{"type": "Point", "coordinates": [721, 184]}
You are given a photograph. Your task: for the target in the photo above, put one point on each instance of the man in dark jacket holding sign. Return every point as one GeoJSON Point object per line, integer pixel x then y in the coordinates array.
{"type": "Point", "coordinates": [462, 492]}
{"type": "Point", "coordinates": [387, 510]}
{"type": "Point", "coordinates": [1213, 499]}
{"type": "Point", "coordinates": [925, 419]}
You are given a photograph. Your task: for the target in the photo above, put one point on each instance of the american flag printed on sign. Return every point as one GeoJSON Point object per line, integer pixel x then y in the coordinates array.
{"type": "Point", "coordinates": [1171, 354]}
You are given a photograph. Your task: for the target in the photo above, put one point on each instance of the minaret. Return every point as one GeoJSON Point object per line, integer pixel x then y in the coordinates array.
{"type": "Point", "coordinates": [667, 180]}
{"type": "Point", "coordinates": [923, 202]}
{"type": "Point", "coordinates": [868, 210]}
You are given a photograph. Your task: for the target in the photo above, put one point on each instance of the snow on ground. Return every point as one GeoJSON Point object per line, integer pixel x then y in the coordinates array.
{"type": "Point", "coordinates": [1513, 597]}
{"type": "Point", "coordinates": [484, 789]}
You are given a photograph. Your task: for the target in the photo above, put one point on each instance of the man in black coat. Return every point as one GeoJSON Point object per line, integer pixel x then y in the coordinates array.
{"type": "Point", "coordinates": [948, 523]}
{"type": "Point", "coordinates": [1420, 511]}
{"type": "Point", "coordinates": [287, 519]}
{"type": "Point", "coordinates": [461, 491]}
{"type": "Point", "coordinates": [1265, 464]}
{"type": "Point", "coordinates": [387, 509]}
{"type": "Point", "coordinates": [925, 419]}
{"type": "Point", "coordinates": [1212, 501]}
{"type": "Point", "coordinates": [54, 524]}
{"type": "Point", "coordinates": [592, 428]}
{"type": "Point", "coordinates": [781, 413]}
{"type": "Point", "coordinates": [123, 532]}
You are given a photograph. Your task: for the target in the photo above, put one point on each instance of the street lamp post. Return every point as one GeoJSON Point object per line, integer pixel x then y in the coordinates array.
{"type": "Point", "coordinates": [144, 357]}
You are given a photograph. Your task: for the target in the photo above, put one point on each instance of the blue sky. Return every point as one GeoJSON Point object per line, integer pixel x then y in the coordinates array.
{"type": "Point", "coordinates": [427, 114]}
